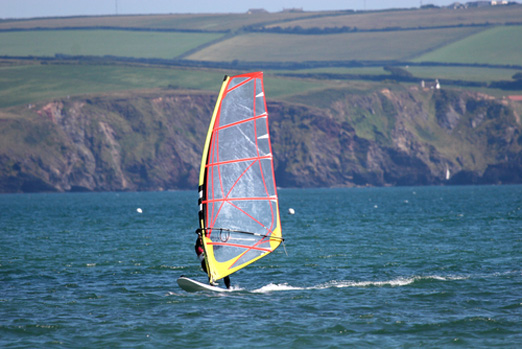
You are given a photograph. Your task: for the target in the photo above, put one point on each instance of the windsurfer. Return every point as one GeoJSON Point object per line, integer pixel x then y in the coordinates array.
{"type": "Point", "coordinates": [200, 252]}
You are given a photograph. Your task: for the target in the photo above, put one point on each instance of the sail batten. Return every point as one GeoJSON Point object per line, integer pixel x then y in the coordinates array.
{"type": "Point", "coordinates": [238, 193]}
{"type": "Point", "coordinates": [250, 119]}
{"type": "Point", "coordinates": [242, 199]}
{"type": "Point", "coordinates": [240, 160]}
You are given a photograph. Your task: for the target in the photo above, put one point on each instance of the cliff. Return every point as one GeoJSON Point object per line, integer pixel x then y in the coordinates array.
{"type": "Point", "coordinates": [153, 140]}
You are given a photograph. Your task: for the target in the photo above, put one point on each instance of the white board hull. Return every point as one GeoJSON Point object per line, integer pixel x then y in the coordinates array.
{"type": "Point", "coordinates": [190, 285]}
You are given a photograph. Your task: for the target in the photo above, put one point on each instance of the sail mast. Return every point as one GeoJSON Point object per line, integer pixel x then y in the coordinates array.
{"type": "Point", "coordinates": [202, 174]}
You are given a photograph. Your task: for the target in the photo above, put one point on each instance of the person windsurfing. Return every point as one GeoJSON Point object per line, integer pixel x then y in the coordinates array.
{"type": "Point", "coordinates": [200, 252]}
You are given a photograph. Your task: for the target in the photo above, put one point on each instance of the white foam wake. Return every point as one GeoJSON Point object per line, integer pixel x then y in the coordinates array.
{"type": "Point", "coordinates": [278, 287]}
{"type": "Point", "coordinates": [398, 282]}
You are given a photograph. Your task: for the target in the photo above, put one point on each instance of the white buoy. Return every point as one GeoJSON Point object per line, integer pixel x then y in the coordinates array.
{"type": "Point", "coordinates": [291, 211]}
{"type": "Point", "coordinates": [139, 210]}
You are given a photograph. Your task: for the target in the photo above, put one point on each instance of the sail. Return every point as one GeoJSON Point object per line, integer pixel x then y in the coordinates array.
{"type": "Point", "coordinates": [239, 211]}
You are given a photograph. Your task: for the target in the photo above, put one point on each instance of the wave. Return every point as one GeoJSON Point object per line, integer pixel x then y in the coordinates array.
{"type": "Point", "coordinates": [279, 287]}
{"type": "Point", "coordinates": [401, 281]}
{"type": "Point", "coordinates": [398, 282]}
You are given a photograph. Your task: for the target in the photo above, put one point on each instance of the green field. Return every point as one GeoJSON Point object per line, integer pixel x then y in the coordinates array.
{"type": "Point", "coordinates": [209, 22]}
{"type": "Point", "coordinates": [457, 43]}
{"type": "Point", "coordinates": [350, 46]}
{"type": "Point", "coordinates": [365, 20]}
{"type": "Point", "coordinates": [23, 83]}
{"type": "Point", "coordinates": [412, 18]}
{"type": "Point", "coordinates": [248, 47]}
{"type": "Point", "coordinates": [336, 70]}
{"type": "Point", "coordinates": [477, 74]}
{"type": "Point", "coordinates": [463, 73]}
{"type": "Point", "coordinates": [499, 45]}
{"type": "Point", "coordinates": [101, 42]}
{"type": "Point", "coordinates": [32, 83]}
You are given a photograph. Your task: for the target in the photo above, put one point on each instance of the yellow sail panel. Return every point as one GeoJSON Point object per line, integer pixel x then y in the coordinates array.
{"type": "Point", "coordinates": [239, 210]}
{"type": "Point", "coordinates": [209, 133]}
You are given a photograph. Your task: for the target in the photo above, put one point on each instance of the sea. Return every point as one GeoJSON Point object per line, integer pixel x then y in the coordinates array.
{"type": "Point", "coordinates": [391, 267]}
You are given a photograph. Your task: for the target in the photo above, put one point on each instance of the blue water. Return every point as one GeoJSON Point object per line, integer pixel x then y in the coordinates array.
{"type": "Point", "coordinates": [383, 267]}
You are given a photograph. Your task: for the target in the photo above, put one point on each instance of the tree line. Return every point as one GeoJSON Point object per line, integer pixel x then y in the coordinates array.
{"type": "Point", "coordinates": [298, 30]}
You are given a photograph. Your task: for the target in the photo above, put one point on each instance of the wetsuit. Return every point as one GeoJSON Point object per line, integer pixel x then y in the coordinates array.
{"type": "Point", "coordinates": [200, 252]}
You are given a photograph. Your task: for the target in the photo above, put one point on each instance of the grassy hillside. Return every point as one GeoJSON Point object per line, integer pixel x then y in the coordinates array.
{"type": "Point", "coordinates": [30, 83]}
{"type": "Point", "coordinates": [101, 42]}
{"type": "Point", "coordinates": [478, 74]}
{"type": "Point", "coordinates": [363, 20]}
{"type": "Point", "coordinates": [386, 35]}
{"type": "Point", "coordinates": [414, 18]}
{"type": "Point", "coordinates": [392, 45]}
{"type": "Point", "coordinates": [202, 22]}
{"type": "Point", "coordinates": [462, 73]}
{"type": "Point", "coordinates": [499, 45]}
{"type": "Point", "coordinates": [349, 46]}
{"type": "Point", "coordinates": [377, 46]}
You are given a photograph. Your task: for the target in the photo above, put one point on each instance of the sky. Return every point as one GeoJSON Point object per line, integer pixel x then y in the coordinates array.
{"type": "Point", "coordinates": [60, 8]}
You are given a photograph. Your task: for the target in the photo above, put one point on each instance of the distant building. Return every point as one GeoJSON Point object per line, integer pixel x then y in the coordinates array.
{"type": "Point", "coordinates": [256, 10]}
{"type": "Point", "coordinates": [458, 5]}
{"type": "Point", "coordinates": [430, 85]}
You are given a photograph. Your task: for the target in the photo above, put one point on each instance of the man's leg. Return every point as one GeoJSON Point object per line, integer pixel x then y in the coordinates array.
{"type": "Point", "coordinates": [227, 281]}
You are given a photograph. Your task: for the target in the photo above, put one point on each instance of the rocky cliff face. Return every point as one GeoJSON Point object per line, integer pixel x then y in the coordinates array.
{"type": "Point", "coordinates": [404, 136]}
{"type": "Point", "coordinates": [139, 142]}
{"type": "Point", "coordinates": [153, 141]}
